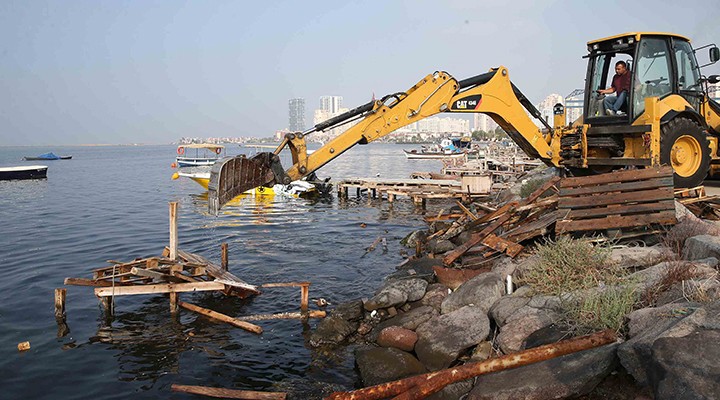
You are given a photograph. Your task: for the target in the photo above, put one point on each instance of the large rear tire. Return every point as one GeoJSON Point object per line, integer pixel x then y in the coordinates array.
{"type": "Point", "coordinates": [684, 145]}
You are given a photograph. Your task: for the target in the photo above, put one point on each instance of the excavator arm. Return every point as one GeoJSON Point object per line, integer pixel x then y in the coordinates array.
{"type": "Point", "coordinates": [491, 93]}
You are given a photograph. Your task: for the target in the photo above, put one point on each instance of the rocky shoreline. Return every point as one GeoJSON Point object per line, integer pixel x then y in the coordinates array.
{"type": "Point", "coordinates": [427, 317]}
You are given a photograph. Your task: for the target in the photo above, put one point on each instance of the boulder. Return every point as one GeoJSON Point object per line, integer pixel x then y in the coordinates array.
{"type": "Point", "coordinates": [703, 246]}
{"type": "Point", "coordinates": [350, 311]}
{"type": "Point", "coordinates": [397, 337]}
{"type": "Point", "coordinates": [409, 320]}
{"type": "Point", "coordinates": [454, 391]}
{"type": "Point", "coordinates": [568, 376]}
{"type": "Point", "coordinates": [699, 290]}
{"type": "Point", "coordinates": [439, 246]}
{"type": "Point", "coordinates": [397, 293]}
{"type": "Point", "coordinates": [441, 339]}
{"type": "Point", "coordinates": [416, 268]}
{"type": "Point", "coordinates": [384, 364]}
{"type": "Point", "coordinates": [506, 306]}
{"type": "Point", "coordinates": [481, 291]}
{"type": "Point", "coordinates": [638, 257]}
{"type": "Point", "coordinates": [332, 330]}
{"type": "Point", "coordinates": [412, 239]}
{"type": "Point", "coordinates": [504, 267]}
{"type": "Point", "coordinates": [435, 294]}
{"type": "Point", "coordinates": [649, 277]}
{"type": "Point", "coordinates": [521, 324]}
{"type": "Point", "coordinates": [686, 367]}
{"type": "Point", "coordinates": [453, 278]}
{"type": "Point", "coordinates": [646, 326]}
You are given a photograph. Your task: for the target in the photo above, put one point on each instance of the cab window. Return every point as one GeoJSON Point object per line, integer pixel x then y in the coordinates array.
{"type": "Point", "coordinates": [652, 72]}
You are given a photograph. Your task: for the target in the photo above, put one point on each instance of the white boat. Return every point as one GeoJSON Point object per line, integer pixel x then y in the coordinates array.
{"type": "Point", "coordinates": [297, 188]}
{"type": "Point", "coordinates": [198, 155]}
{"type": "Point", "coordinates": [448, 148]}
{"type": "Point", "coordinates": [24, 172]}
{"type": "Point", "coordinates": [424, 155]}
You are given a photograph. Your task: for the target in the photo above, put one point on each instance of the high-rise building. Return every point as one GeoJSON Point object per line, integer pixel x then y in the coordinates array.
{"type": "Point", "coordinates": [546, 107]}
{"type": "Point", "coordinates": [574, 103]}
{"type": "Point", "coordinates": [296, 115]}
{"type": "Point", "coordinates": [483, 122]}
{"type": "Point", "coordinates": [331, 104]}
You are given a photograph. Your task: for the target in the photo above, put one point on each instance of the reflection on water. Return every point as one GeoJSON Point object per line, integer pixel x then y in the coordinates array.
{"type": "Point", "coordinates": [111, 203]}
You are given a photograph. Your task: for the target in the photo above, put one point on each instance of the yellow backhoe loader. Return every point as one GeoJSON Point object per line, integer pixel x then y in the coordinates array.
{"type": "Point", "coordinates": [666, 118]}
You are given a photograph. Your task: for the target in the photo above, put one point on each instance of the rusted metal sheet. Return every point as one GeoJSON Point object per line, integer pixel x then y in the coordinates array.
{"type": "Point", "coordinates": [232, 176]}
{"type": "Point", "coordinates": [421, 386]}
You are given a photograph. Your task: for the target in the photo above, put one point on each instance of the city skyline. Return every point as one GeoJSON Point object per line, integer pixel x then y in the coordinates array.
{"type": "Point", "coordinates": [86, 72]}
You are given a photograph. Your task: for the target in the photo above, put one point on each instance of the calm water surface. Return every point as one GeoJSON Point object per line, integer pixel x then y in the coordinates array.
{"type": "Point", "coordinates": [111, 203]}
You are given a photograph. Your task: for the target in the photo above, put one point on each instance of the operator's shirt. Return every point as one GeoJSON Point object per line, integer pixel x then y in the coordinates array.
{"type": "Point", "coordinates": [621, 83]}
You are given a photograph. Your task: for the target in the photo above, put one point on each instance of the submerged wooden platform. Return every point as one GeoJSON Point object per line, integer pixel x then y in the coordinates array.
{"type": "Point", "coordinates": [419, 190]}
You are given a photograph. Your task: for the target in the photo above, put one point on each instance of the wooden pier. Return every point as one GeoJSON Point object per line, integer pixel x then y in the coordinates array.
{"type": "Point", "coordinates": [419, 190]}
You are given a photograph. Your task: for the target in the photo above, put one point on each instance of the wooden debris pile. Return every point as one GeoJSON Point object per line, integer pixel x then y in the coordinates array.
{"type": "Point", "coordinates": [700, 204]}
{"type": "Point", "coordinates": [618, 205]}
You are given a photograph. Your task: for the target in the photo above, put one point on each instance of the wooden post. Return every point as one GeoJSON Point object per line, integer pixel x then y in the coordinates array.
{"type": "Point", "coordinates": [60, 303]}
{"type": "Point", "coordinates": [304, 295]}
{"type": "Point", "coordinates": [227, 393]}
{"type": "Point", "coordinates": [173, 230]}
{"type": "Point", "coordinates": [224, 256]}
{"type": "Point", "coordinates": [391, 197]}
{"type": "Point", "coordinates": [173, 302]}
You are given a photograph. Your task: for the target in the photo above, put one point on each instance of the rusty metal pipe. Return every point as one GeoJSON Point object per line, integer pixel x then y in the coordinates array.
{"type": "Point", "coordinates": [421, 386]}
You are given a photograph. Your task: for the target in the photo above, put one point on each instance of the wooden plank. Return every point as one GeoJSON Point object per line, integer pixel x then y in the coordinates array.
{"type": "Point", "coordinates": [466, 211]}
{"type": "Point", "coordinates": [647, 184]}
{"type": "Point", "coordinates": [532, 229]}
{"type": "Point", "coordinates": [542, 189]}
{"type": "Point", "coordinates": [285, 284]}
{"type": "Point", "coordinates": [227, 393]}
{"type": "Point", "coordinates": [620, 210]}
{"type": "Point", "coordinates": [618, 176]}
{"type": "Point", "coordinates": [616, 198]}
{"type": "Point", "coordinates": [218, 273]}
{"type": "Point", "coordinates": [615, 222]}
{"type": "Point", "coordinates": [475, 238]}
{"type": "Point", "coordinates": [221, 317]}
{"type": "Point", "coordinates": [154, 274]}
{"type": "Point", "coordinates": [286, 315]}
{"type": "Point", "coordinates": [159, 288]}
{"type": "Point", "coordinates": [173, 230]}
{"type": "Point", "coordinates": [91, 282]}
{"type": "Point", "coordinates": [510, 248]}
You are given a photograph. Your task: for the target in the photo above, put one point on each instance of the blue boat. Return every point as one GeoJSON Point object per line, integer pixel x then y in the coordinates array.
{"type": "Point", "coordinates": [48, 156]}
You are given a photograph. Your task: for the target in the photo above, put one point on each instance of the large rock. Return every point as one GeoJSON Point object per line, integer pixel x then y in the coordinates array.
{"type": "Point", "coordinates": [521, 324]}
{"type": "Point", "coordinates": [332, 330]}
{"type": "Point", "coordinates": [686, 367]}
{"type": "Point", "coordinates": [408, 320]}
{"type": "Point", "coordinates": [397, 293]}
{"type": "Point", "coordinates": [481, 291]}
{"type": "Point", "coordinates": [435, 294]}
{"type": "Point", "coordinates": [703, 246]}
{"type": "Point", "coordinates": [652, 276]}
{"type": "Point", "coordinates": [453, 278]}
{"type": "Point", "coordinates": [397, 337]}
{"type": "Point", "coordinates": [439, 246]}
{"type": "Point", "coordinates": [646, 326]}
{"type": "Point", "coordinates": [384, 364]}
{"type": "Point", "coordinates": [350, 311]}
{"type": "Point", "coordinates": [441, 339]}
{"type": "Point", "coordinates": [416, 268]}
{"type": "Point", "coordinates": [563, 377]}
{"type": "Point", "coordinates": [506, 306]}
{"type": "Point", "coordinates": [638, 257]}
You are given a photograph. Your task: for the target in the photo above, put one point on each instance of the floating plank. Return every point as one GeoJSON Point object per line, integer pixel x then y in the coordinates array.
{"type": "Point", "coordinates": [227, 393]}
{"type": "Point", "coordinates": [221, 317]}
{"type": "Point", "coordinates": [158, 288]}
{"type": "Point", "coordinates": [616, 221]}
{"type": "Point", "coordinates": [616, 198]}
{"type": "Point", "coordinates": [286, 315]}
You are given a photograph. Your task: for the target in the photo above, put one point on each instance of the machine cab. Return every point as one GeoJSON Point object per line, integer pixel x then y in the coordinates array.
{"type": "Point", "coordinates": [659, 64]}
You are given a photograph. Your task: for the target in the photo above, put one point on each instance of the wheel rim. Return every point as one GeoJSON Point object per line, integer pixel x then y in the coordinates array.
{"type": "Point", "coordinates": [686, 156]}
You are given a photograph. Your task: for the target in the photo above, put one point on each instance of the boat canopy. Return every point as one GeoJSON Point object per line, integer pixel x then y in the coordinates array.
{"type": "Point", "coordinates": [209, 146]}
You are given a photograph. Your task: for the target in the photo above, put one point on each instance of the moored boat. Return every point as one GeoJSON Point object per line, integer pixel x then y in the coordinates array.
{"type": "Point", "coordinates": [297, 188]}
{"type": "Point", "coordinates": [199, 154]}
{"type": "Point", "coordinates": [47, 157]}
{"type": "Point", "coordinates": [24, 172]}
{"type": "Point", "coordinates": [448, 148]}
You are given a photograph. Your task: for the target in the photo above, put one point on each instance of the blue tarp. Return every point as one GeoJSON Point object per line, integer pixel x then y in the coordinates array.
{"type": "Point", "coordinates": [49, 156]}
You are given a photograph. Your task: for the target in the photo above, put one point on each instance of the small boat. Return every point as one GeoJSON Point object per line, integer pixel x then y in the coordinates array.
{"type": "Point", "coordinates": [203, 154]}
{"type": "Point", "coordinates": [25, 172]}
{"type": "Point", "coordinates": [448, 148]}
{"type": "Point", "coordinates": [47, 157]}
{"type": "Point", "coordinates": [297, 188]}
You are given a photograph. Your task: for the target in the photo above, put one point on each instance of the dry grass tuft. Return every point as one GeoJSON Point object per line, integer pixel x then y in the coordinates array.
{"type": "Point", "coordinates": [675, 237]}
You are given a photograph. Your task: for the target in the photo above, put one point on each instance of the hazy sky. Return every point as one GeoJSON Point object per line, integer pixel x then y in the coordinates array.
{"type": "Point", "coordinates": [74, 72]}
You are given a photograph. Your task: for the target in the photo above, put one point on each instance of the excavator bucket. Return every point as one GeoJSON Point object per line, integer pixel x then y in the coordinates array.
{"type": "Point", "coordinates": [232, 176]}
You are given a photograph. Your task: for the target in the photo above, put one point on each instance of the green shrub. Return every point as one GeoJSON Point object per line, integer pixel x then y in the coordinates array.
{"type": "Point", "coordinates": [602, 310]}
{"type": "Point", "coordinates": [570, 264]}
{"type": "Point", "coordinates": [530, 186]}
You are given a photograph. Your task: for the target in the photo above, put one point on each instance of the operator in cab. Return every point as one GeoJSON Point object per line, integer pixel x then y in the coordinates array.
{"type": "Point", "coordinates": [620, 86]}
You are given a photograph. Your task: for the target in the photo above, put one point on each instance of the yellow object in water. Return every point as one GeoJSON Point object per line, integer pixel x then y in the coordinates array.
{"type": "Point", "coordinates": [203, 179]}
